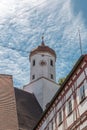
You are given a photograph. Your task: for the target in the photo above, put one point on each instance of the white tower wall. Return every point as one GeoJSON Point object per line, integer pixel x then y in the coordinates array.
{"type": "Point", "coordinates": [42, 67]}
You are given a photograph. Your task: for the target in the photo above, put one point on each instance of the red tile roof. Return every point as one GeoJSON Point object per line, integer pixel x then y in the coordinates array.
{"type": "Point", "coordinates": [43, 48]}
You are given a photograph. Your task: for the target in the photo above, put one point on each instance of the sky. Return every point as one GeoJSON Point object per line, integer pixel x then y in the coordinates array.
{"type": "Point", "coordinates": [22, 23]}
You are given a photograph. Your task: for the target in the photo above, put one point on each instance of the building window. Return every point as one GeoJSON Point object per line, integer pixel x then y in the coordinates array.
{"type": "Point", "coordinates": [33, 62]}
{"type": "Point", "coordinates": [51, 62]}
{"type": "Point", "coordinates": [69, 107]}
{"type": "Point", "coordinates": [33, 76]}
{"type": "Point", "coordinates": [82, 93]}
{"type": "Point", "coordinates": [60, 117]}
{"type": "Point", "coordinates": [51, 76]}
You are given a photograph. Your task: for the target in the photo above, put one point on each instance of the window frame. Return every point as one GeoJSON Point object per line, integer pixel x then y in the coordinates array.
{"type": "Point", "coordinates": [82, 93]}
{"type": "Point", "coordinates": [70, 107]}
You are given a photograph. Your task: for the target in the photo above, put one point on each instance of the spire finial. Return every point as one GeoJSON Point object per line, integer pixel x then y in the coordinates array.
{"type": "Point", "coordinates": [43, 40]}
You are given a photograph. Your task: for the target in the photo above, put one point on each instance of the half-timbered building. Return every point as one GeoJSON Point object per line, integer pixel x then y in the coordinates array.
{"type": "Point", "coordinates": [68, 108]}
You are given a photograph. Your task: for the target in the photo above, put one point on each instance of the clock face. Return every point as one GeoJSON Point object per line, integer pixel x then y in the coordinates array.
{"type": "Point", "coordinates": [43, 63]}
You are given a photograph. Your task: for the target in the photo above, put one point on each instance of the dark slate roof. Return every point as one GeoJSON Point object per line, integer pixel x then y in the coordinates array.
{"type": "Point", "coordinates": [28, 109]}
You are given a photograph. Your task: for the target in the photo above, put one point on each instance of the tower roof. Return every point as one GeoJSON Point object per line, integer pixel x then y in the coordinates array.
{"type": "Point", "coordinates": [43, 48]}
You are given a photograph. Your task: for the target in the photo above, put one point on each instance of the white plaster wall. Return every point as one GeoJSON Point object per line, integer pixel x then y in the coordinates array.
{"type": "Point", "coordinates": [86, 70]}
{"type": "Point", "coordinates": [59, 105]}
{"type": "Point", "coordinates": [43, 125]}
{"type": "Point", "coordinates": [70, 120]}
{"type": "Point", "coordinates": [50, 119]}
{"type": "Point", "coordinates": [83, 125]}
{"type": "Point", "coordinates": [83, 107]}
{"type": "Point", "coordinates": [37, 89]}
{"type": "Point", "coordinates": [54, 124]}
{"type": "Point", "coordinates": [39, 70]}
{"type": "Point", "coordinates": [49, 90]}
{"type": "Point", "coordinates": [80, 78]}
{"type": "Point", "coordinates": [68, 94]}
{"type": "Point", "coordinates": [51, 114]}
{"type": "Point", "coordinates": [60, 127]}
{"type": "Point", "coordinates": [43, 89]}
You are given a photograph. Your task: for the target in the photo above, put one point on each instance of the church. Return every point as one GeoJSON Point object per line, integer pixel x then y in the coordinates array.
{"type": "Point", "coordinates": [43, 104]}
{"type": "Point", "coordinates": [42, 74]}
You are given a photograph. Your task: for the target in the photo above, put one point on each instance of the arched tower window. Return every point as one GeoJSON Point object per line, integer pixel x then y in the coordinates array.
{"type": "Point", "coordinates": [33, 62]}
{"type": "Point", "coordinates": [51, 62]}
{"type": "Point", "coordinates": [33, 77]}
{"type": "Point", "coordinates": [51, 76]}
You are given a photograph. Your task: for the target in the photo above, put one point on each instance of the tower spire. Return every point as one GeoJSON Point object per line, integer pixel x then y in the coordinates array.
{"type": "Point", "coordinates": [43, 44]}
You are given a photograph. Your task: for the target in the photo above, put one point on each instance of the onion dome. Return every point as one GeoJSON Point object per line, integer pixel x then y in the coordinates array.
{"type": "Point", "coordinates": [43, 48]}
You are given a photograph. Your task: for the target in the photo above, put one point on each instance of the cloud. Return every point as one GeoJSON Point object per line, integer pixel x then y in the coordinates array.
{"type": "Point", "coordinates": [21, 28]}
{"type": "Point", "coordinates": [79, 6]}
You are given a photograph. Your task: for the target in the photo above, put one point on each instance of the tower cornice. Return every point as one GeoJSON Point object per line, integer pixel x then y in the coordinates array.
{"type": "Point", "coordinates": [43, 49]}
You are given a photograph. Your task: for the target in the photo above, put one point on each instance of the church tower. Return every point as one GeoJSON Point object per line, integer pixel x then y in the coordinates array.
{"type": "Point", "coordinates": [42, 63]}
{"type": "Point", "coordinates": [42, 74]}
